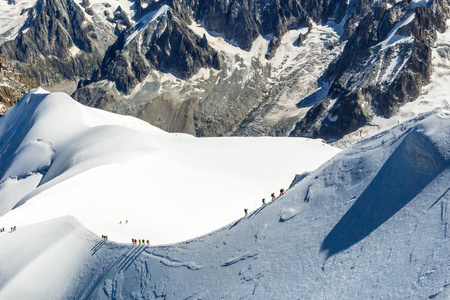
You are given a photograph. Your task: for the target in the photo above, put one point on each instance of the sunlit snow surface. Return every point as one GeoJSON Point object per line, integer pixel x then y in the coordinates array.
{"type": "Point", "coordinates": [371, 223]}
{"type": "Point", "coordinates": [105, 169]}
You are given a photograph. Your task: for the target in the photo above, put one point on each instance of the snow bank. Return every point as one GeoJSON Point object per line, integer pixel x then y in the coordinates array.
{"type": "Point", "coordinates": [41, 261]}
{"type": "Point", "coordinates": [416, 162]}
{"type": "Point", "coordinates": [30, 158]}
{"type": "Point", "coordinates": [370, 223]}
{"type": "Point", "coordinates": [104, 169]}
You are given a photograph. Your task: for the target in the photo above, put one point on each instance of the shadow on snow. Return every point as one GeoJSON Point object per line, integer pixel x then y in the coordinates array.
{"type": "Point", "coordinates": [412, 166]}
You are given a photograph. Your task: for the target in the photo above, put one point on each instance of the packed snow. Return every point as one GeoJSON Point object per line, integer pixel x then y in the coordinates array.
{"type": "Point", "coordinates": [419, 3]}
{"type": "Point", "coordinates": [371, 223]}
{"type": "Point", "coordinates": [13, 17]}
{"type": "Point", "coordinates": [61, 158]}
{"type": "Point", "coordinates": [41, 261]}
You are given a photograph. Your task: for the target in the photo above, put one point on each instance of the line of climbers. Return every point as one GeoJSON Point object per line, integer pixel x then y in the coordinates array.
{"type": "Point", "coordinates": [12, 229]}
{"type": "Point", "coordinates": [282, 192]}
{"type": "Point", "coordinates": [143, 242]}
{"type": "Point", "coordinates": [135, 241]}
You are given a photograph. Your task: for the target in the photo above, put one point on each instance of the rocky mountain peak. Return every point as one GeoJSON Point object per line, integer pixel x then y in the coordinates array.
{"type": "Point", "coordinates": [218, 67]}
{"type": "Point", "coordinates": [384, 64]}
{"type": "Point", "coordinates": [165, 43]}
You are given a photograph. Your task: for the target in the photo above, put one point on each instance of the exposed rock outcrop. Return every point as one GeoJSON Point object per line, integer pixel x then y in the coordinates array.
{"type": "Point", "coordinates": [252, 67]}
{"type": "Point", "coordinates": [385, 63]}
{"type": "Point", "coordinates": [56, 44]}
{"type": "Point", "coordinates": [164, 43]}
{"type": "Point", "coordinates": [13, 85]}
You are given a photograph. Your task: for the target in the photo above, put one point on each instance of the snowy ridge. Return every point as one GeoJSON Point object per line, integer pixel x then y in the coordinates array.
{"type": "Point", "coordinates": [375, 216]}
{"type": "Point", "coordinates": [58, 240]}
{"type": "Point", "coordinates": [118, 159]}
{"type": "Point", "coordinates": [144, 22]}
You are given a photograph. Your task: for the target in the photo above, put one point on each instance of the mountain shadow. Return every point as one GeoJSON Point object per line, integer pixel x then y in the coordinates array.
{"type": "Point", "coordinates": [412, 166]}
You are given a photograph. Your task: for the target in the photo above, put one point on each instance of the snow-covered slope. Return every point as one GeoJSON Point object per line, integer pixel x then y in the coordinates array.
{"type": "Point", "coordinates": [372, 223]}
{"type": "Point", "coordinates": [61, 158]}
{"type": "Point", "coordinates": [42, 261]}
{"type": "Point", "coordinates": [14, 15]}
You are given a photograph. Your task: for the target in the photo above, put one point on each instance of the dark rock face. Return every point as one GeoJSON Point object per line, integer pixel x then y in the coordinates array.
{"type": "Point", "coordinates": [14, 85]}
{"type": "Point", "coordinates": [44, 50]}
{"type": "Point", "coordinates": [349, 114]}
{"type": "Point", "coordinates": [377, 59]}
{"type": "Point", "coordinates": [243, 21]}
{"type": "Point", "coordinates": [181, 51]}
{"type": "Point", "coordinates": [358, 93]}
{"type": "Point", "coordinates": [166, 44]}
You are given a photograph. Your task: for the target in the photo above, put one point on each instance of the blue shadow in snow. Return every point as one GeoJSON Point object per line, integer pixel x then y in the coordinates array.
{"type": "Point", "coordinates": [315, 97]}
{"type": "Point", "coordinates": [412, 166]}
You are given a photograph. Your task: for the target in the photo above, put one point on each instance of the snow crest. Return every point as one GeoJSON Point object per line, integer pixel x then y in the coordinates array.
{"type": "Point", "coordinates": [68, 159]}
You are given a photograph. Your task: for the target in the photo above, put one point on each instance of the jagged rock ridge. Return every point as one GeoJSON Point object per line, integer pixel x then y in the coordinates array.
{"type": "Point", "coordinates": [165, 44]}
{"type": "Point", "coordinates": [385, 63]}
{"type": "Point", "coordinates": [239, 67]}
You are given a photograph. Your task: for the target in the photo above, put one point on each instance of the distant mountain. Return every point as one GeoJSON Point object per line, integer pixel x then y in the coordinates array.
{"type": "Point", "coordinates": [288, 68]}
{"type": "Point", "coordinates": [59, 42]}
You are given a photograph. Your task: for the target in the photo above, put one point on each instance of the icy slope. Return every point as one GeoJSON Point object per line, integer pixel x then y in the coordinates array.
{"type": "Point", "coordinates": [61, 158]}
{"type": "Point", "coordinates": [372, 223]}
{"type": "Point", "coordinates": [41, 261]}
